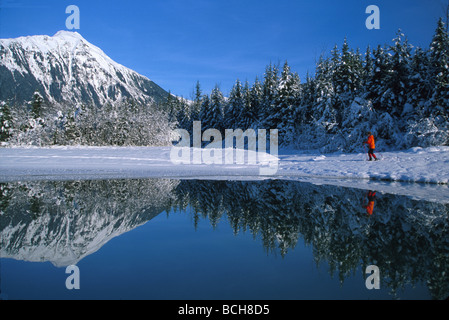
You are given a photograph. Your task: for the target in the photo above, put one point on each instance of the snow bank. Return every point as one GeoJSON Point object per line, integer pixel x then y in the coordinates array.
{"type": "Point", "coordinates": [424, 165]}
{"type": "Point", "coordinates": [109, 162]}
{"type": "Point", "coordinates": [421, 172]}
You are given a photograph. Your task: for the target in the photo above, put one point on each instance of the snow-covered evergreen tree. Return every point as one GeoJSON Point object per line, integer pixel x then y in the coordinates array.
{"type": "Point", "coordinates": [196, 105]}
{"type": "Point", "coordinates": [307, 101]}
{"type": "Point", "coordinates": [357, 64]}
{"type": "Point", "coordinates": [347, 69]}
{"type": "Point", "coordinates": [256, 102]}
{"type": "Point", "coordinates": [171, 106]}
{"type": "Point", "coordinates": [285, 105]}
{"type": "Point", "coordinates": [32, 128]}
{"type": "Point", "coordinates": [71, 128]}
{"type": "Point", "coordinates": [215, 117]}
{"type": "Point", "coordinates": [324, 111]}
{"type": "Point", "coordinates": [249, 112]}
{"type": "Point", "coordinates": [207, 113]}
{"type": "Point", "coordinates": [185, 116]}
{"type": "Point", "coordinates": [270, 85]}
{"type": "Point", "coordinates": [377, 79]}
{"type": "Point", "coordinates": [397, 80]}
{"type": "Point", "coordinates": [36, 105]}
{"type": "Point", "coordinates": [420, 87]}
{"type": "Point", "coordinates": [368, 66]}
{"type": "Point", "coordinates": [6, 122]}
{"type": "Point", "coordinates": [439, 69]}
{"type": "Point", "coordinates": [234, 110]}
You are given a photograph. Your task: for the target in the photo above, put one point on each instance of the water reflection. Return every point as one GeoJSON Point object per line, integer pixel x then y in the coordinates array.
{"type": "Point", "coordinates": [371, 197]}
{"type": "Point", "coordinates": [63, 222]}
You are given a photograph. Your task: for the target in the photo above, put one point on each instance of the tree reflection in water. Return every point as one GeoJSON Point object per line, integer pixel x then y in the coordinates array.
{"type": "Point", "coordinates": [408, 240]}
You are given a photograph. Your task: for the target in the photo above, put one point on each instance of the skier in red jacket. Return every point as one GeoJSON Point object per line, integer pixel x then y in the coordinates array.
{"type": "Point", "coordinates": [371, 145]}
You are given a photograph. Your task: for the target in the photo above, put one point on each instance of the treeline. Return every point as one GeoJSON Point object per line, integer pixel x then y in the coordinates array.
{"type": "Point", "coordinates": [125, 123]}
{"type": "Point", "coordinates": [399, 92]}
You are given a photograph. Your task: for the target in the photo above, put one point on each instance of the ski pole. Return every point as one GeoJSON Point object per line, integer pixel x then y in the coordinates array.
{"type": "Point", "coordinates": [364, 149]}
{"type": "Point", "coordinates": [380, 155]}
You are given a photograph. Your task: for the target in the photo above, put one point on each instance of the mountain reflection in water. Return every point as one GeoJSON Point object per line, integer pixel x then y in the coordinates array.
{"type": "Point", "coordinates": [65, 221]}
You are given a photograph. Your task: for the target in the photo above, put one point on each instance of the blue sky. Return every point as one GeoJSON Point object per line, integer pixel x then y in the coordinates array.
{"type": "Point", "coordinates": [179, 42]}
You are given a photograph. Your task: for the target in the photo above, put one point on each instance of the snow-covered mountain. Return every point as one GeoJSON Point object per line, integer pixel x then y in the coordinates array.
{"type": "Point", "coordinates": [66, 68]}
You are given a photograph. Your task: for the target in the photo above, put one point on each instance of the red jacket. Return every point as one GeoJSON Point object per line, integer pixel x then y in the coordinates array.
{"type": "Point", "coordinates": [370, 142]}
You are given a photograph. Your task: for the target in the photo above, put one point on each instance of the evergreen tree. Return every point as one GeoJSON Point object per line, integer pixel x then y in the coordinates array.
{"type": "Point", "coordinates": [347, 73]}
{"type": "Point", "coordinates": [270, 85]}
{"type": "Point", "coordinates": [256, 102]}
{"type": "Point", "coordinates": [71, 129]}
{"type": "Point", "coordinates": [178, 110]}
{"type": "Point", "coordinates": [286, 104]}
{"type": "Point", "coordinates": [248, 114]}
{"type": "Point", "coordinates": [420, 83]}
{"type": "Point", "coordinates": [234, 111]}
{"type": "Point", "coordinates": [324, 111]}
{"type": "Point", "coordinates": [439, 69]}
{"type": "Point", "coordinates": [378, 78]}
{"type": "Point", "coordinates": [307, 101]}
{"type": "Point", "coordinates": [358, 72]}
{"type": "Point", "coordinates": [196, 106]}
{"type": "Point", "coordinates": [217, 103]}
{"type": "Point", "coordinates": [36, 105]}
{"type": "Point", "coordinates": [6, 122]}
{"type": "Point", "coordinates": [184, 116]}
{"type": "Point", "coordinates": [205, 114]}
{"type": "Point", "coordinates": [338, 71]}
{"type": "Point", "coordinates": [368, 67]}
{"type": "Point", "coordinates": [171, 106]}
{"type": "Point", "coordinates": [58, 134]}
{"type": "Point", "coordinates": [398, 79]}
{"type": "Point", "coordinates": [88, 123]}
{"type": "Point", "coordinates": [297, 88]}
{"type": "Point", "coordinates": [343, 74]}
{"type": "Point", "coordinates": [211, 114]}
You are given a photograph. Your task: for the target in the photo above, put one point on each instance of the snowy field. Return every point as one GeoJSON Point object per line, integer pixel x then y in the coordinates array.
{"type": "Point", "coordinates": [421, 173]}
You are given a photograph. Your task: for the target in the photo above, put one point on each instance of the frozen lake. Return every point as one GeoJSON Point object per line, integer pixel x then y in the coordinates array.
{"type": "Point", "coordinates": [167, 238]}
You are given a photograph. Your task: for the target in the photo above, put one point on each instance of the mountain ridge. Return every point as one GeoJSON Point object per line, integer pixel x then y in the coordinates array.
{"type": "Point", "coordinates": [67, 69]}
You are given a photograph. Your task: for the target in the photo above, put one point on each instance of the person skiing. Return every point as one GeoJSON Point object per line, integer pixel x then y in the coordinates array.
{"type": "Point", "coordinates": [371, 146]}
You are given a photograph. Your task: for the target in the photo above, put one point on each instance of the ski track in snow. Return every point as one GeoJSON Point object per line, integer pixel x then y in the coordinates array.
{"type": "Point", "coordinates": [419, 172]}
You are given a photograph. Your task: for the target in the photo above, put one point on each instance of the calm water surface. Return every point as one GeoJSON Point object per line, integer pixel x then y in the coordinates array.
{"type": "Point", "coordinates": [168, 239]}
